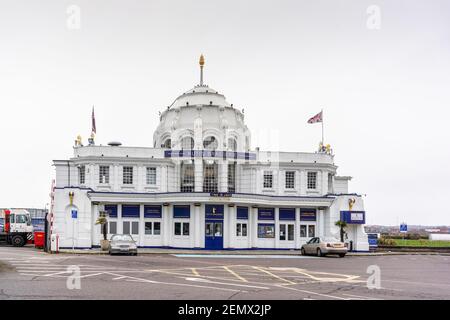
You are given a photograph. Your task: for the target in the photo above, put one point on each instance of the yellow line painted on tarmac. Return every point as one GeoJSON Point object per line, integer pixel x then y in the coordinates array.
{"type": "Point", "coordinates": [274, 275]}
{"type": "Point", "coordinates": [194, 271]}
{"type": "Point", "coordinates": [235, 274]}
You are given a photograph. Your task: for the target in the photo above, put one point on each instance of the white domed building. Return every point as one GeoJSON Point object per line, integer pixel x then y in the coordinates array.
{"type": "Point", "coordinates": [202, 186]}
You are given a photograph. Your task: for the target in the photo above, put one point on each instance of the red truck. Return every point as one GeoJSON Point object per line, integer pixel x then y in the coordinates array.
{"type": "Point", "coordinates": [15, 226]}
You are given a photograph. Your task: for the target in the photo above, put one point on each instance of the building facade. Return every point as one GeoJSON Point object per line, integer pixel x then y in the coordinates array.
{"type": "Point", "coordinates": [202, 186]}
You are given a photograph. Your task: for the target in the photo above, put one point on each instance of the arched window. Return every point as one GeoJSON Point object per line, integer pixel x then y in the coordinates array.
{"type": "Point", "coordinates": [167, 144]}
{"type": "Point", "coordinates": [232, 144]}
{"type": "Point", "coordinates": [187, 143]}
{"type": "Point", "coordinates": [210, 143]}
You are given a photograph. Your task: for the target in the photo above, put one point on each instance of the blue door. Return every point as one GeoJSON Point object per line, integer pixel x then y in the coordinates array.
{"type": "Point", "coordinates": [214, 227]}
{"type": "Point", "coordinates": [214, 234]}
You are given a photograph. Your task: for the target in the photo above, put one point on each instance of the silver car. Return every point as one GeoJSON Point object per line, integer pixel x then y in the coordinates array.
{"type": "Point", "coordinates": [122, 243]}
{"type": "Point", "coordinates": [323, 246]}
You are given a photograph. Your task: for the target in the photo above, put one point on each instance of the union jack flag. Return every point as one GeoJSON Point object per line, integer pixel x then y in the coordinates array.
{"type": "Point", "coordinates": [316, 118]}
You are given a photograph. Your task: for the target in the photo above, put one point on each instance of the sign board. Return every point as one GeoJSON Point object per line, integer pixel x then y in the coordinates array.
{"type": "Point", "coordinates": [403, 227]}
{"type": "Point", "coordinates": [74, 214]}
{"type": "Point", "coordinates": [353, 217]}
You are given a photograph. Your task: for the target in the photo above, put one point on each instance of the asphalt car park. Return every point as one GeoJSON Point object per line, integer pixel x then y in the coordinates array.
{"type": "Point", "coordinates": [29, 274]}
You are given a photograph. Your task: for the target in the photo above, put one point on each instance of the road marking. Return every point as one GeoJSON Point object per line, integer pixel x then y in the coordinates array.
{"type": "Point", "coordinates": [235, 274]}
{"type": "Point", "coordinates": [242, 256]}
{"type": "Point", "coordinates": [354, 295]}
{"type": "Point", "coordinates": [274, 275]}
{"type": "Point", "coordinates": [338, 277]}
{"type": "Point", "coordinates": [135, 279]}
{"type": "Point", "coordinates": [194, 271]}
{"type": "Point", "coordinates": [315, 293]}
{"type": "Point", "coordinates": [224, 283]}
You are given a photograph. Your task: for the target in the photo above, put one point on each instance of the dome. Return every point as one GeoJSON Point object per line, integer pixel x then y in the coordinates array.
{"type": "Point", "coordinates": [202, 113]}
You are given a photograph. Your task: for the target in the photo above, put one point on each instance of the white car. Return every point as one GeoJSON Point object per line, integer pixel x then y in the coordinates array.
{"type": "Point", "coordinates": [323, 246]}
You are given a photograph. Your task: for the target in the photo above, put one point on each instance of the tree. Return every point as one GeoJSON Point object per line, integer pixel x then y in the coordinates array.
{"type": "Point", "coordinates": [342, 225]}
{"type": "Point", "coordinates": [103, 222]}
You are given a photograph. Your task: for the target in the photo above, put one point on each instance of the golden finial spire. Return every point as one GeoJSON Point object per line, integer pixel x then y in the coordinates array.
{"type": "Point", "coordinates": [202, 63]}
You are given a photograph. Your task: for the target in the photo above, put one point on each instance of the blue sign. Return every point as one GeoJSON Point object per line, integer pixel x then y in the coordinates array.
{"type": "Point", "coordinates": [373, 240]}
{"type": "Point", "coordinates": [266, 214]}
{"type": "Point", "coordinates": [213, 211]}
{"type": "Point", "coordinates": [242, 213]}
{"type": "Point", "coordinates": [287, 214]}
{"type": "Point", "coordinates": [353, 217]}
{"type": "Point", "coordinates": [152, 211]}
{"type": "Point", "coordinates": [74, 214]}
{"type": "Point", "coordinates": [308, 215]}
{"type": "Point", "coordinates": [403, 227]}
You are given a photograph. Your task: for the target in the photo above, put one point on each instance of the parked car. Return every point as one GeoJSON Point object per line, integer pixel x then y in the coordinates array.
{"type": "Point", "coordinates": [122, 243]}
{"type": "Point", "coordinates": [324, 246]}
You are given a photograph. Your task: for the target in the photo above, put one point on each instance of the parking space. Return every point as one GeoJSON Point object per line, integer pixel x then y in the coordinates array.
{"type": "Point", "coordinates": [219, 277]}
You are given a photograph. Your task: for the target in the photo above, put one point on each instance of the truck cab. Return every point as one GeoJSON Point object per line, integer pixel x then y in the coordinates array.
{"type": "Point", "coordinates": [15, 225]}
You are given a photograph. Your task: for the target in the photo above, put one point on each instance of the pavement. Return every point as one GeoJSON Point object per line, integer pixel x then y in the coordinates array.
{"type": "Point", "coordinates": [27, 273]}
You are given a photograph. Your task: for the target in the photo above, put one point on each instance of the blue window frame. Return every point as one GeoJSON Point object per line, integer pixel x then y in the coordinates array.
{"type": "Point", "coordinates": [307, 214]}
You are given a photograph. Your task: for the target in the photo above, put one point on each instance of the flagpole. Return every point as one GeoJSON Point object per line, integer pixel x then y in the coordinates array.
{"type": "Point", "coordinates": [322, 126]}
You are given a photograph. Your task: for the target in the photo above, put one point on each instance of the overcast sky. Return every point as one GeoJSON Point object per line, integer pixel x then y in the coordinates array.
{"type": "Point", "coordinates": [381, 73]}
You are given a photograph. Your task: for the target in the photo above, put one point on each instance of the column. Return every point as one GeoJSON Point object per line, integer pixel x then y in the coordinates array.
{"type": "Point", "coordinates": [95, 214]}
{"type": "Point", "coordinates": [253, 220]}
{"type": "Point", "coordinates": [141, 226]}
{"type": "Point", "coordinates": [303, 182]}
{"type": "Point", "coordinates": [232, 212]}
{"type": "Point", "coordinates": [166, 221]}
{"type": "Point", "coordinates": [223, 176]}
{"type": "Point", "coordinates": [297, 228]}
{"type": "Point", "coordinates": [119, 219]}
{"type": "Point", "coordinates": [198, 171]}
{"type": "Point", "coordinates": [115, 179]}
{"type": "Point", "coordinates": [324, 187]}
{"type": "Point", "coordinates": [321, 222]}
{"type": "Point", "coordinates": [196, 227]}
{"type": "Point", "coordinates": [277, 228]}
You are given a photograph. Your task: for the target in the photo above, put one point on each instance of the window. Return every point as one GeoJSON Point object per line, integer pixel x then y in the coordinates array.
{"type": "Point", "coordinates": [287, 232]}
{"type": "Point", "coordinates": [149, 228]}
{"type": "Point", "coordinates": [156, 228]}
{"type": "Point", "coordinates": [103, 174]}
{"type": "Point", "coordinates": [187, 177]}
{"type": "Point", "coordinates": [268, 179]}
{"type": "Point", "coordinates": [181, 228]}
{"type": "Point", "coordinates": [151, 175]}
{"type": "Point", "coordinates": [210, 177]}
{"type": "Point", "coordinates": [232, 144]}
{"type": "Point", "coordinates": [290, 180]}
{"type": "Point", "coordinates": [126, 227]}
{"type": "Point", "coordinates": [112, 227]}
{"type": "Point", "coordinates": [187, 143]}
{"type": "Point", "coordinates": [135, 227]}
{"type": "Point", "coordinates": [185, 228]}
{"type": "Point", "coordinates": [210, 143]}
{"type": "Point", "coordinates": [312, 180]}
{"type": "Point", "coordinates": [241, 229]}
{"type": "Point", "coordinates": [307, 230]}
{"type": "Point", "coordinates": [153, 228]}
{"type": "Point", "coordinates": [20, 218]}
{"type": "Point", "coordinates": [311, 230]}
{"type": "Point", "coordinates": [127, 175]}
{"type": "Point", "coordinates": [303, 233]}
{"type": "Point", "coordinates": [330, 183]}
{"type": "Point", "coordinates": [232, 177]}
{"type": "Point", "coordinates": [266, 231]}
{"type": "Point", "coordinates": [167, 144]}
{"type": "Point", "coordinates": [82, 174]}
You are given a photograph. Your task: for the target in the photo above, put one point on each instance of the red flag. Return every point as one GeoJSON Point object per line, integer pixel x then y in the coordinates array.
{"type": "Point", "coordinates": [316, 118]}
{"type": "Point", "coordinates": [94, 129]}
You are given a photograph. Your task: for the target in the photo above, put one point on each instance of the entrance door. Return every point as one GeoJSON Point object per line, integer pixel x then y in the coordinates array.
{"type": "Point", "coordinates": [214, 234]}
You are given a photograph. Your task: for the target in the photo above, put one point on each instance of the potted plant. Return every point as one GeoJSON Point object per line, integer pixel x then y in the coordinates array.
{"type": "Point", "coordinates": [342, 225]}
{"type": "Point", "coordinates": [103, 222]}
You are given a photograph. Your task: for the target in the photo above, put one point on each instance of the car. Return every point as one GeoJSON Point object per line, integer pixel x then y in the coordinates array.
{"type": "Point", "coordinates": [324, 246]}
{"type": "Point", "coordinates": [122, 243]}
